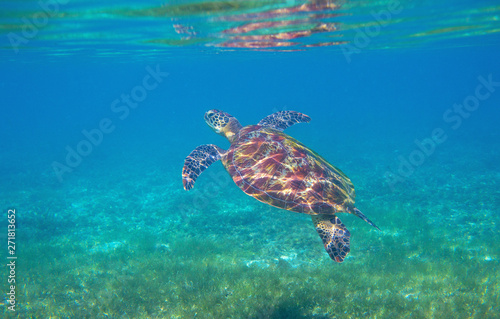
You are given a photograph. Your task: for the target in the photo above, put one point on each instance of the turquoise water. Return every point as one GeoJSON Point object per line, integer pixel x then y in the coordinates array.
{"type": "Point", "coordinates": [101, 104]}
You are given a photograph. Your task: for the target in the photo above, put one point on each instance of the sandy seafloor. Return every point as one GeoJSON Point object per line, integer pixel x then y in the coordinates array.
{"type": "Point", "coordinates": [118, 237]}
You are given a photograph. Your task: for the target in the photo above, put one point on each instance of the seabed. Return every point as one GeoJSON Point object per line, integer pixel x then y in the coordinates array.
{"type": "Point", "coordinates": [145, 248]}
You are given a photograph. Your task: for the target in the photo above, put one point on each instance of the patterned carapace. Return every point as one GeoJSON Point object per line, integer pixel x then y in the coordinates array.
{"type": "Point", "coordinates": [277, 169]}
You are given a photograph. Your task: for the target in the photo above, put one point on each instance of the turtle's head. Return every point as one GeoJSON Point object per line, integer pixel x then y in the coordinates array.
{"type": "Point", "coordinates": [223, 123]}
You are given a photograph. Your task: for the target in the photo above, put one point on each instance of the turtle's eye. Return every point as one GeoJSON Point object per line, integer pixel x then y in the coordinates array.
{"type": "Point", "coordinates": [211, 116]}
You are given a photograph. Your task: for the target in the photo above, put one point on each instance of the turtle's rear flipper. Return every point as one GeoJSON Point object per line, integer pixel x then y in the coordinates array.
{"type": "Point", "coordinates": [200, 158]}
{"type": "Point", "coordinates": [358, 213]}
{"type": "Point", "coordinates": [335, 236]}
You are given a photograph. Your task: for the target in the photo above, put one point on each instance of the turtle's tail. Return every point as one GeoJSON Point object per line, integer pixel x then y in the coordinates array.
{"type": "Point", "coordinates": [358, 213]}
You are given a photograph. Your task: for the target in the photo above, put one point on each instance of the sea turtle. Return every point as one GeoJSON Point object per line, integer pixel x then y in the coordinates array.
{"type": "Point", "coordinates": [278, 170]}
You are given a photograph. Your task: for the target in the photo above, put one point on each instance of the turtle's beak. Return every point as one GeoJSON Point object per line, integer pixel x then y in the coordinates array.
{"type": "Point", "coordinates": [209, 114]}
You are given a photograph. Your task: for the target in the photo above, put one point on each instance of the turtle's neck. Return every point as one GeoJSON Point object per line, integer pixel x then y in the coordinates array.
{"type": "Point", "coordinates": [231, 130]}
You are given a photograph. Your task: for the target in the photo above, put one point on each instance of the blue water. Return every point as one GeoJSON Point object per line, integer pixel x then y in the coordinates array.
{"type": "Point", "coordinates": [95, 129]}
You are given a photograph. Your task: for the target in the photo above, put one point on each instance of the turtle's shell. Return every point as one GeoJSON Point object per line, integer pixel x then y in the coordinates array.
{"type": "Point", "coordinates": [280, 171]}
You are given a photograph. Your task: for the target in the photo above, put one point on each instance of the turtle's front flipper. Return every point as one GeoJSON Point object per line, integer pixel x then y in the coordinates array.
{"type": "Point", "coordinates": [283, 119]}
{"type": "Point", "coordinates": [335, 236]}
{"type": "Point", "coordinates": [202, 157]}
